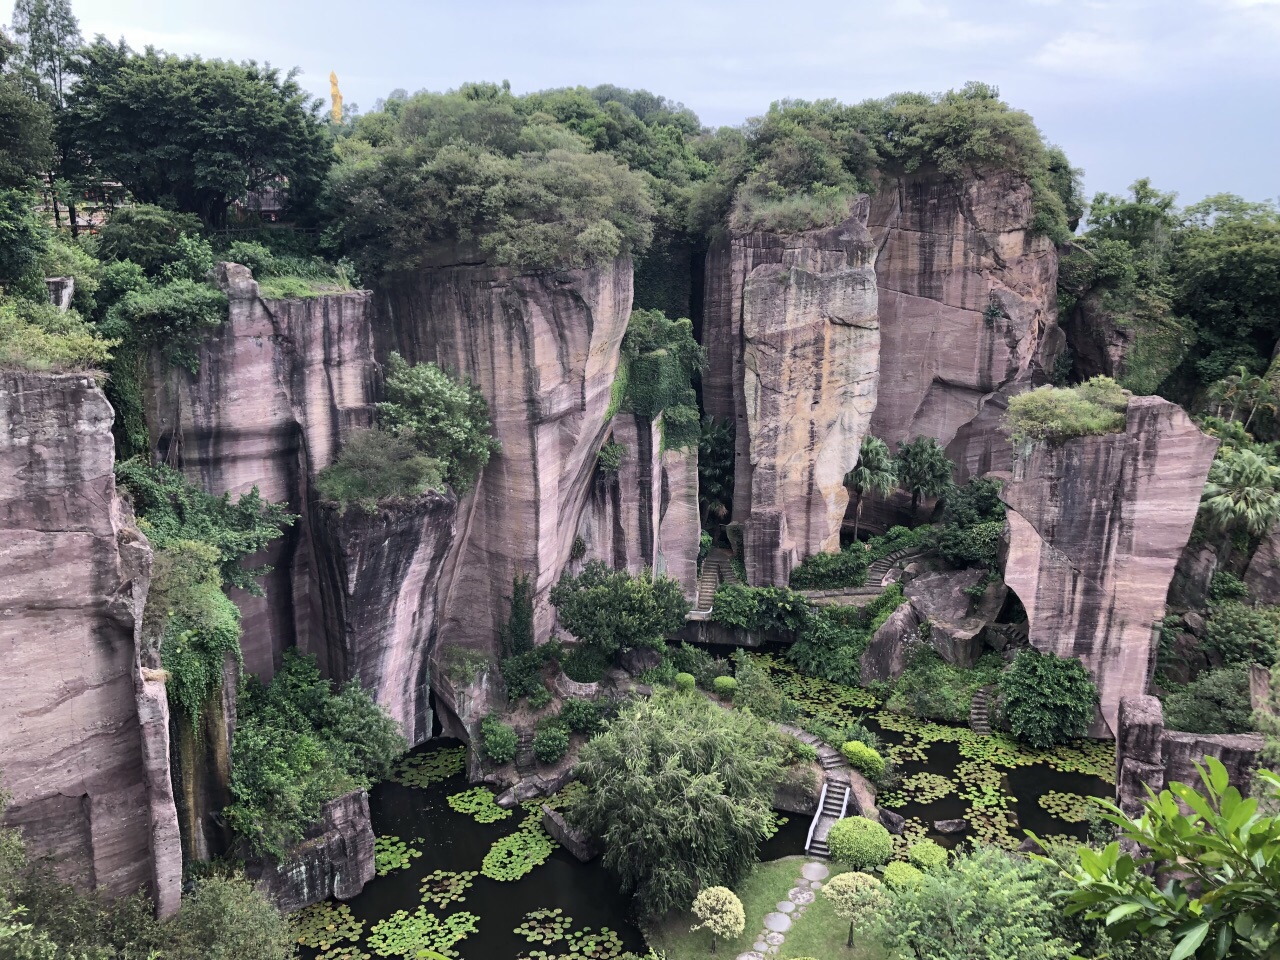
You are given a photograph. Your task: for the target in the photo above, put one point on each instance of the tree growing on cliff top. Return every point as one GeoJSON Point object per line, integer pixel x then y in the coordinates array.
{"type": "Point", "coordinates": [679, 792]}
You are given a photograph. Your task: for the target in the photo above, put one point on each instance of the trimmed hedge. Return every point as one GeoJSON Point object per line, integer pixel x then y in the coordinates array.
{"type": "Point", "coordinates": [724, 687]}
{"type": "Point", "coordinates": [685, 682]}
{"type": "Point", "coordinates": [860, 843]}
{"type": "Point", "coordinates": [901, 876]}
{"type": "Point", "coordinates": [866, 761]}
{"type": "Point", "coordinates": [927, 855]}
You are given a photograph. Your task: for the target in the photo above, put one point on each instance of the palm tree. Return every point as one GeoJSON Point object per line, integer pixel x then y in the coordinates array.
{"type": "Point", "coordinates": [923, 469]}
{"type": "Point", "coordinates": [1242, 495]}
{"type": "Point", "coordinates": [715, 470]}
{"type": "Point", "coordinates": [875, 472]}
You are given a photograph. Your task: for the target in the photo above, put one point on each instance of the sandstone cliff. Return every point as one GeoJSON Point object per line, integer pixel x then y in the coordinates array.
{"type": "Point", "coordinates": [1096, 526]}
{"type": "Point", "coordinates": [85, 745]}
{"type": "Point", "coordinates": [793, 345]}
{"type": "Point", "coordinates": [543, 347]}
{"type": "Point", "coordinates": [645, 516]}
{"type": "Point", "coordinates": [967, 300]}
{"type": "Point", "coordinates": [280, 385]}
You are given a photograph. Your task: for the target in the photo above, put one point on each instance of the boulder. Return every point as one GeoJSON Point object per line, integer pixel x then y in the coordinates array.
{"type": "Point", "coordinates": [1096, 527]}
{"type": "Point", "coordinates": [967, 309]}
{"type": "Point", "coordinates": [576, 841]}
{"type": "Point", "coordinates": [334, 860]}
{"type": "Point", "coordinates": [956, 624]}
{"type": "Point", "coordinates": [793, 346]}
{"type": "Point", "coordinates": [1195, 623]}
{"type": "Point", "coordinates": [959, 825]}
{"type": "Point", "coordinates": [890, 648]}
{"type": "Point", "coordinates": [85, 748]}
{"type": "Point", "coordinates": [893, 822]}
{"type": "Point", "coordinates": [1192, 576]}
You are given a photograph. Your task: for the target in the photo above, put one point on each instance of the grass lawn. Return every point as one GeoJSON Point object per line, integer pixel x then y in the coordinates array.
{"type": "Point", "coordinates": [819, 933]}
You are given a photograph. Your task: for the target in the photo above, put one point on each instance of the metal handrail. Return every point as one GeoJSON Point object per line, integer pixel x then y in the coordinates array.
{"type": "Point", "coordinates": [844, 806]}
{"type": "Point", "coordinates": [817, 816]}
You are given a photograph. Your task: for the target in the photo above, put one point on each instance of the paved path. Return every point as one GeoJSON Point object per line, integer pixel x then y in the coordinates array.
{"type": "Point", "coordinates": [774, 932]}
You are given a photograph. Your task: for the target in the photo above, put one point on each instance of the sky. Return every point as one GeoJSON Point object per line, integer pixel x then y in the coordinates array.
{"type": "Point", "coordinates": [1181, 91]}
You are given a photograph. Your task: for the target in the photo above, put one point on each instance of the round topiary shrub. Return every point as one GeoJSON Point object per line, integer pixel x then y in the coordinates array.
{"type": "Point", "coordinates": [551, 743]}
{"type": "Point", "coordinates": [927, 855]}
{"type": "Point", "coordinates": [901, 876]}
{"type": "Point", "coordinates": [860, 843]}
{"type": "Point", "coordinates": [685, 682]}
{"type": "Point", "coordinates": [724, 687]}
{"type": "Point", "coordinates": [863, 759]}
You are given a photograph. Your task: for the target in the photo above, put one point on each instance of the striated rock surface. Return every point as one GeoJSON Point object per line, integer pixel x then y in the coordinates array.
{"type": "Point", "coordinates": [543, 347]}
{"type": "Point", "coordinates": [280, 385]}
{"type": "Point", "coordinates": [967, 301]}
{"type": "Point", "coordinates": [1262, 576]}
{"type": "Point", "coordinates": [956, 624]}
{"type": "Point", "coordinates": [85, 744]}
{"type": "Point", "coordinates": [793, 344]}
{"type": "Point", "coordinates": [1096, 527]}
{"type": "Point", "coordinates": [890, 648]}
{"type": "Point", "coordinates": [378, 573]}
{"type": "Point", "coordinates": [645, 516]}
{"type": "Point", "coordinates": [334, 861]}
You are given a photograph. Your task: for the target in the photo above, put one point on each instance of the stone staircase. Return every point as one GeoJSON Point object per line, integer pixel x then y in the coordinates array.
{"type": "Point", "coordinates": [717, 568]}
{"type": "Point", "coordinates": [879, 570]}
{"type": "Point", "coordinates": [833, 806]}
{"type": "Point", "coordinates": [1014, 636]}
{"type": "Point", "coordinates": [980, 712]}
{"type": "Point", "coordinates": [526, 759]}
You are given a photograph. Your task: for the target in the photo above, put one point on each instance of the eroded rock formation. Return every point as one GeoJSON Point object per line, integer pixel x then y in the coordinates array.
{"type": "Point", "coordinates": [793, 344]}
{"type": "Point", "coordinates": [85, 744]}
{"type": "Point", "coordinates": [280, 384]}
{"type": "Point", "coordinates": [967, 300]}
{"type": "Point", "coordinates": [1096, 526]}
{"type": "Point", "coordinates": [543, 347]}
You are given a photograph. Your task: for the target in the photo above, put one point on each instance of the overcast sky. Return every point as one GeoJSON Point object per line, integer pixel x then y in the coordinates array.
{"type": "Point", "coordinates": [1183, 91]}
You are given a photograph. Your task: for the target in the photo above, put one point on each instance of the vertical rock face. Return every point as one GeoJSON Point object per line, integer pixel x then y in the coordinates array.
{"type": "Point", "coordinates": [1096, 526]}
{"type": "Point", "coordinates": [378, 573]}
{"type": "Point", "coordinates": [543, 348]}
{"type": "Point", "coordinates": [85, 744]}
{"type": "Point", "coordinates": [793, 344]}
{"type": "Point", "coordinates": [280, 385]}
{"type": "Point", "coordinates": [967, 304]}
{"type": "Point", "coordinates": [1263, 574]}
{"type": "Point", "coordinates": [645, 516]}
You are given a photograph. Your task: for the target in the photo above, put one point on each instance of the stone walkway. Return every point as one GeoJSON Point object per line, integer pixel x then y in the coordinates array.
{"type": "Point", "coordinates": [777, 924]}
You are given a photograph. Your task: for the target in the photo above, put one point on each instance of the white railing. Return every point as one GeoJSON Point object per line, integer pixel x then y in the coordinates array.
{"type": "Point", "coordinates": [818, 816]}
{"type": "Point", "coordinates": [844, 806]}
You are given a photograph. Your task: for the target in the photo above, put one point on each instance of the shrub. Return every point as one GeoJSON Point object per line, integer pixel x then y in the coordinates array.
{"type": "Point", "coordinates": [756, 690]}
{"type": "Point", "coordinates": [173, 317]}
{"type": "Point", "coordinates": [551, 743]}
{"type": "Point", "coordinates": [540, 697]}
{"type": "Point", "coordinates": [767, 609]}
{"type": "Point", "coordinates": [975, 546]}
{"type": "Point", "coordinates": [721, 912]}
{"type": "Point", "coordinates": [227, 918]}
{"type": "Point", "coordinates": [498, 740]}
{"type": "Point", "coordinates": [662, 359]}
{"type": "Point", "coordinates": [585, 664]}
{"type": "Point", "coordinates": [299, 744]}
{"type": "Point", "coordinates": [705, 668]}
{"type": "Point", "coordinates": [1244, 634]}
{"type": "Point", "coordinates": [832, 571]}
{"type": "Point", "coordinates": [1059, 413]}
{"type": "Point", "coordinates": [374, 466]}
{"type": "Point", "coordinates": [860, 843]}
{"type": "Point", "coordinates": [1217, 701]}
{"type": "Point", "coordinates": [1227, 586]}
{"type": "Point", "coordinates": [834, 637]}
{"type": "Point", "coordinates": [927, 855]}
{"type": "Point", "coordinates": [146, 234]}
{"type": "Point", "coordinates": [1047, 699]}
{"type": "Point", "coordinates": [609, 459]}
{"type": "Point", "coordinates": [901, 877]}
{"type": "Point", "coordinates": [800, 752]}
{"type": "Point", "coordinates": [39, 336]}
{"type": "Point", "coordinates": [977, 501]}
{"type": "Point", "coordinates": [685, 682]}
{"type": "Point", "coordinates": [931, 687]}
{"type": "Point", "coordinates": [446, 418]}
{"type": "Point", "coordinates": [724, 687]}
{"type": "Point", "coordinates": [865, 760]}
{"type": "Point", "coordinates": [521, 673]}
{"type": "Point", "coordinates": [614, 611]}
{"type": "Point", "coordinates": [581, 716]}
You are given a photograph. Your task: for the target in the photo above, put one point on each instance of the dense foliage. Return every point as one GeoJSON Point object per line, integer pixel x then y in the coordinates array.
{"type": "Point", "coordinates": [1217, 701]}
{"type": "Point", "coordinates": [1047, 699]}
{"type": "Point", "coordinates": [762, 609]}
{"type": "Point", "coordinates": [298, 744]}
{"type": "Point", "coordinates": [661, 360]}
{"type": "Point", "coordinates": [679, 792]}
{"type": "Point", "coordinates": [834, 637]}
{"type": "Point", "coordinates": [931, 687]}
{"type": "Point", "coordinates": [860, 843]}
{"type": "Point", "coordinates": [1060, 413]}
{"type": "Point", "coordinates": [376, 465]}
{"type": "Point", "coordinates": [614, 611]}
{"type": "Point", "coordinates": [923, 469]}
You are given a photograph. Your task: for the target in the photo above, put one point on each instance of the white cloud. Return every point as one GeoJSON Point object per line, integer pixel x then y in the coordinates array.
{"type": "Point", "coordinates": [1082, 52]}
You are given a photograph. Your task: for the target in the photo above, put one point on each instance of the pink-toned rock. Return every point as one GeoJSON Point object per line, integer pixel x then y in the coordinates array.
{"type": "Point", "coordinates": [378, 578]}
{"type": "Point", "coordinates": [543, 347]}
{"type": "Point", "coordinates": [85, 745]}
{"type": "Point", "coordinates": [1263, 574]}
{"type": "Point", "coordinates": [1096, 526]}
{"type": "Point", "coordinates": [967, 304]}
{"type": "Point", "coordinates": [335, 860]}
{"type": "Point", "coordinates": [793, 345]}
{"type": "Point", "coordinates": [890, 648]}
{"type": "Point", "coordinates": [281, 384]}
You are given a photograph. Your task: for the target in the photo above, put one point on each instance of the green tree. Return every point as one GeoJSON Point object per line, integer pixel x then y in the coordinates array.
{"type": "Point", "coordinates": [876, 472]}
{"type": "Point", "coordinates": [720, 911]}
{"type": "Point", "coordinates": [923, 469]}
{"type": "Point", "coordinates": [679, 791]}
{"type": "Point", "coordinates": [194, 135]}
{"type": "Point", "coordinates": [374, 466]}
{"type": "Point", "coordinates": [1218, 865]}
{"type": "Point", "coordinates": [856, 898]}
{"type": "Point", "coordinates": [25, 128]}
{"type": "Point", "coordinates": [226, 918]}
{"type": "Point", "coordinates": [715, 470]}
{"type": "Point", "coordinates": [146, 234]}
{"type": "Point", "coordinates": [614, 611]}
{"type": "Point", "coordinates": [447, 419]}
{"type": "Point", "coordinates": [1217, 701]}
{"type": "Point", "coordinates": [1047, 699]}
{"type": "Point", "coordinates": [1242, 496]}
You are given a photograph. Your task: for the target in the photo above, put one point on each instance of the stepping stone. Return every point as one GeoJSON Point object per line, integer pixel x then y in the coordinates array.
{"type": "Point", "coordinates": [777, 922]}
{"type": "Point", "coordinates": [800, 896]}
{"type": "Point", "coordinates": [774, 939]}
{"type": "Point", "coordinates": [759, 946]}
{"type": "Point", "coordinates": [750, 956]}
{"type": "Point", "coordinates": [786, 906]}
{"type": "Point", "coordinates": [816, 885]}
{"type": "Point", "coordinates": [814, 871]}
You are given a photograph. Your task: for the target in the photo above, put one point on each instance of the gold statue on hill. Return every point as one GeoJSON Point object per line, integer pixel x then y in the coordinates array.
{"type": "Point", "coordinates": [336, 96]}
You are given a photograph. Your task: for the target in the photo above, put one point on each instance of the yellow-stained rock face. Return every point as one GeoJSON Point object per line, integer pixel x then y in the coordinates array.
{"type": "Point", "coordinates": [793, 338]}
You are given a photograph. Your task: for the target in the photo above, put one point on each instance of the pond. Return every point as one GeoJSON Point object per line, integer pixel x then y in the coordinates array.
{"type": "Point", "coordinates": [946, 772]}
